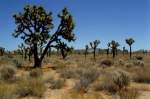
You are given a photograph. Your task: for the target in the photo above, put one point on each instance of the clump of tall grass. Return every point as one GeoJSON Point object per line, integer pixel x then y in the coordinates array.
{"type": "Point", "coordinates": [30, 87]}
{"type": "Point", "coordinates": [7, 72]}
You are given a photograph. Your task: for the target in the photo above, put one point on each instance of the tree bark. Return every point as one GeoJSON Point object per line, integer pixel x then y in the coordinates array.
{"type": "Point", "coordinates": [37, 60]}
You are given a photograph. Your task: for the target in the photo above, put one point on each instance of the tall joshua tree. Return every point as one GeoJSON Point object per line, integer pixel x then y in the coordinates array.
{"type": "Point", "coordinates": [114, 46]}
{"type": "Point", "coordinates": [86, 50]}
{"type": "Point", "coordinates": [94, 45]}
{"type": "Point", "coordinates": [34, 26]}
{"type": "Point", "coordinates": [130, 41]}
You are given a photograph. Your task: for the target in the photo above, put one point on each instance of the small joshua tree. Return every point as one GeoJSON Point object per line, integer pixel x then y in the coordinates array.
{"type": "Point", "coordinates": [64, 49]}
{"type": "Point", "coordinates": [94, 45]}
{"type": "Point", "coordinates": [130, 41]}
{"type": "Point", "coordinates": [2, 50]}
{"type": "Point", "coordinates": [114, 46]}
{"type": "Point", "coordinates": [21, 49]}
{"type": "Point", "coordinates": [108, 48]}
{"type": "Point", "coordinates": [123, 50]}
{"type": "Point", "coordinates": [86, 50]}
{"type": "Point", "coordinates": [117, 45]}
{"type": "Point", "coordinates": [34, 25]}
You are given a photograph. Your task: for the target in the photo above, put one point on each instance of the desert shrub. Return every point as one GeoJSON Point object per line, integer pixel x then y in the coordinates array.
{"type": "Point", "coordinates": [57, 84]}
{"type": "Point", "coordinates": [59, 64]}
{"type": "Point", "coordinates": [11, 61]}
{"type": "Point", "coordinates": [106, 84]}
{"type": "Point", "coordinates": [121, 79]}
{"type": "Point", "coordinates": [106, 62]}
{"type": "Point", "coordinates": [138, 63]}
{"type": "Point", "coordinates": [68, 73]}
{"type": "Point", "coordinates": [128, 64]}
{"type": "Point", "coordinates": [35, 73]}
{"type": "Point", "coordinates": [86, 77]}
{"type": "Point", "coordinates": [7, 72]}
{"type": "Point", "coordinates": [121, 62]}
{"type": "Point", "coordinates": [17, 63]}
{"type": "Point", "coordinates": [112, 82]}
{"type": "Point", "coordinates": [139, 57]}
{"type": "Point", "coordinates": [30, 87]}
{"type": "Point", "coordinates": [142, 76]}
{"type": "Point", "coordinates": [128, 94]}
{"type": "Point", "coordinates": [7, 91]}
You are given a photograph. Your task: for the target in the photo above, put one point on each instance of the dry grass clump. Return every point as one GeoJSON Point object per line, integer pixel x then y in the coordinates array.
{"type": "Point", "coordinates": [121, 62]}
{"type": "Point", "coordinates": [68, 73]}
{"type": "Point", "coordinates": [7, 72]}
{"type": "Point", "coordinates": [113, 82]}
{"type": "Point", "coordinates": [121, 79]}
{"type": "Point", "coordinates": [7, 91]}
{"type": "Point", "coordinates": [58, 64]}
{"type": "Point", "coordinates": [138, 63]}
{"type": "Point", "coordinates": [30, 87]}
{"type": "Point", "coordinates": [57, 84]}
{"type": "Point", "coordinates": [142, 76]}
{"type": "Point", "coordinates": [77, 95]}
{"type": "Point", "coordinates": [35, 73]}
{"type": "Point", "coordinates": [86, 77]}
{"type": "Point", "coordinates": [128, 64]}
{"type": "Point", "coordinates": [128, 94]}
{"type": "Point", "coordinates": [5, 60]}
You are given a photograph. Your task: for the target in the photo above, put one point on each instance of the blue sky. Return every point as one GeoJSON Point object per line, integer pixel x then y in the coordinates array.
{"type": "Point", "coordinates": [104, 20]}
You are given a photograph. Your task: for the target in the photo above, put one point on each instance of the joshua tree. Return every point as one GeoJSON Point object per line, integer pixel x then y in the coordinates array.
{"type": "Point", "coordinates": [114, 46]}
{"type": "Point", "coordinates": [34, 25]}
{"type": "Point", "coordinates": [123, 50]}
{"type": "Point", "coordinates": [2, 50]}
{"type": "Point", "coordinates": [130, 41]}
{"type": "Point", "coordinates": [64, 49]}
{"type": "Point", "coordinates": [108, 48]}
{"type": "Point", "coordinates": [21, 49]}
{"type": "Point", "coordinates": [117, 45]}
{"type": "Point", "coordinates": [86, 50]}
{"type": "Point", "coordinates": [94, 45]}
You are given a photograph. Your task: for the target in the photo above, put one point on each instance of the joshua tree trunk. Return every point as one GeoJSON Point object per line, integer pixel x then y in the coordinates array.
{"type": "Point", "coordinates": [25, 54]}
{"type": "Point", "coordinates": [94, 53]}
{"type": "Point", "coordinates": [130, 52]}
{"type": "Point", "coordinates": [107, 52]}
{"type": "Point", "coordinates": [63, 54]}
{"type": "Point", "coordinates": [85, 55]}
{"type": "Point", "coordinates": [113, 52]}
{"type": "Point", "coordinates": [116, 52]}
{"type": "Point", "coordinates": [37, 60]}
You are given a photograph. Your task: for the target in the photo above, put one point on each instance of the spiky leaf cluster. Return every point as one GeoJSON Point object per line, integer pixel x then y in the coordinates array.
{"type": "Point", "coordinates": [129, 41]}
{"type": "Point", "coordinates": [33, 24]}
